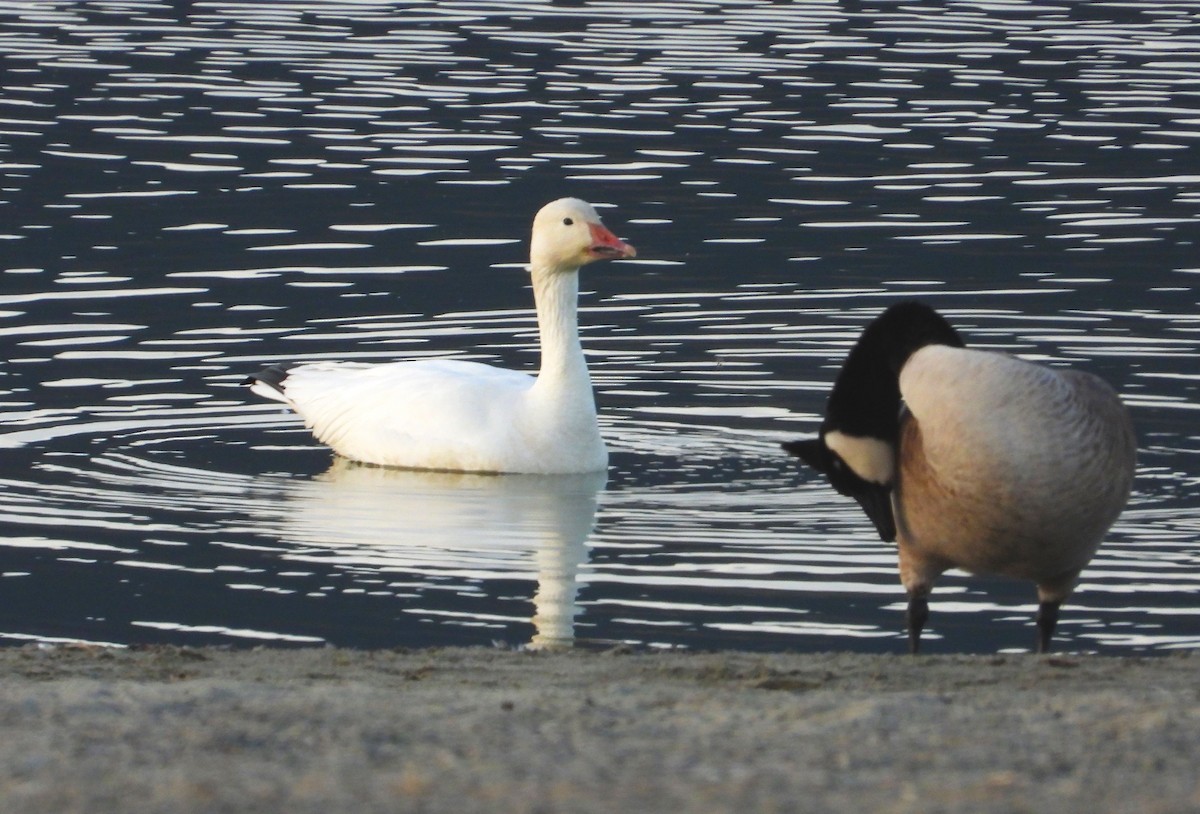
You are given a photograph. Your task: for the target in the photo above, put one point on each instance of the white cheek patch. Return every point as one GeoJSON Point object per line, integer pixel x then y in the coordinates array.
{"type": "Point", "coordinates": [870, 458]}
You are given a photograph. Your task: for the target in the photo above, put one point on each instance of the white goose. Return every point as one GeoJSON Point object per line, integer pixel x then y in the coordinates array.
{"type": "Point", "coordinates": [466, 416]}
{"type": "Point", "coordinates": [972, 459]}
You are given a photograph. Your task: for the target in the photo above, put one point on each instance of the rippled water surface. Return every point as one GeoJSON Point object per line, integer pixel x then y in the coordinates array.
{"type": "Point", "coordinates": [191, 190]}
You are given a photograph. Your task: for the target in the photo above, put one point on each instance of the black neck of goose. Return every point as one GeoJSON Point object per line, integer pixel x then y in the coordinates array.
{"type": "Point", "coordinates": [865, 400]}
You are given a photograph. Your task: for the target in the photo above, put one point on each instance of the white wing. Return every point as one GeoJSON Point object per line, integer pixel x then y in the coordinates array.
{"type": "Point", "coordinates": [435, 414]}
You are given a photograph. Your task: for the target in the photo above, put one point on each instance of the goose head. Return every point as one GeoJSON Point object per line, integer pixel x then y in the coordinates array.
{"type": "Point", "coordinates": [568, 234]}
{"type": "Point", "coordinates": [857, 446]}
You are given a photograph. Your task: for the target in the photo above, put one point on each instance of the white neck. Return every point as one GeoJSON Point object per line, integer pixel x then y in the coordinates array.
{"type": "Point", "coordinates": [556, 295]}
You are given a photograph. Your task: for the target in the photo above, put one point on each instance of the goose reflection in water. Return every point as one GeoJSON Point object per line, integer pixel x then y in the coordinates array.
{"type": "Point", "coordinates": [482, 527]}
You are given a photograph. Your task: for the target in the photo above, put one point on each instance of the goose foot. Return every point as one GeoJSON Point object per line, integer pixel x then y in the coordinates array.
{"type": "Point", "coordinates": [916, 616]}
{"type": "Point", "coordinates": [1047, 620]}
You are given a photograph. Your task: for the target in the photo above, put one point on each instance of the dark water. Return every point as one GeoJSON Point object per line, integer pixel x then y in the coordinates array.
{"type": "Point", "coordinates": [190, 190]}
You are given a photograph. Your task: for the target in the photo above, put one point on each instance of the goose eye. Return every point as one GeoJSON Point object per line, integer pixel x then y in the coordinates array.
{"type": "Point", "coordinates": [568, 222]}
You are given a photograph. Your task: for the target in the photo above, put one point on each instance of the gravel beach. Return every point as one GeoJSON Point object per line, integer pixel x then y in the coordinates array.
{"type": "Point", "coordinates": [466, 730]}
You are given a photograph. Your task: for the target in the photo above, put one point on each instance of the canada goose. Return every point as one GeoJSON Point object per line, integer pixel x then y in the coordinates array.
{"type": "Point", "coordinates": [465, 416]}
{"type": "Point", "coordinates": [973, 459]}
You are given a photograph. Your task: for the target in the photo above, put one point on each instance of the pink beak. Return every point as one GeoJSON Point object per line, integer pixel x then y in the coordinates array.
{"type": "Point", "coordinates": [606, 245]}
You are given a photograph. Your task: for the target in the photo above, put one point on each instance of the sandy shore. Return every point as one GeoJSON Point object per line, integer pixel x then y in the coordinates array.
{"type": "Point", "coordinates": [325, 730]}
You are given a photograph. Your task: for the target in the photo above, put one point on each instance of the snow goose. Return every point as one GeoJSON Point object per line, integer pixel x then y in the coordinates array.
{"type": "Point", "coordinates": [465, 416]}
{"type": "Point", "coordinates": [973, 459]}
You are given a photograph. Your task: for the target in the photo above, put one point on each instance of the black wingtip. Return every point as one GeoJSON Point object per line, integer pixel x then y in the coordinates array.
{"type": "Point", "coordinates": [272, 376]}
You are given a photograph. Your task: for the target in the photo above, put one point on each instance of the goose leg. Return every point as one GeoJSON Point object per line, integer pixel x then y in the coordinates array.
{"type": "Point", "coordinates": [1047, 620]}
{"type": "Point", "coordinates": [916, 616]}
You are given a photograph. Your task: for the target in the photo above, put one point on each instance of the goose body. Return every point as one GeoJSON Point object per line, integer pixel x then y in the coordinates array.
{"type": "Point", "coordinates": [466, 416]}
{"type": "Point", "coordinates": [974, 459]}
